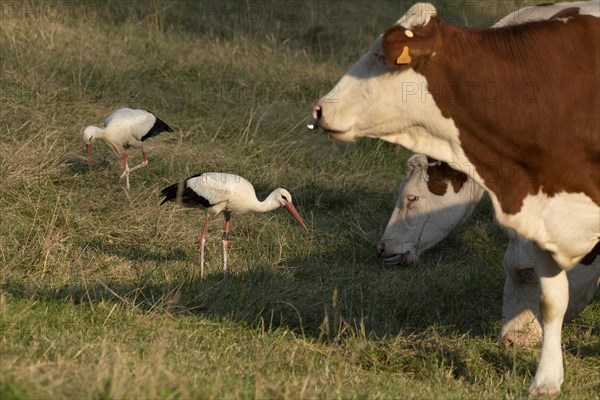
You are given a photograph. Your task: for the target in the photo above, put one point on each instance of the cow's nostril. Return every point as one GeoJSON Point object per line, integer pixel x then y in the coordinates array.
{"type": "Point", "coordinates": [317, 112]}
{"type": "Point", "coordinates": [380, 248]}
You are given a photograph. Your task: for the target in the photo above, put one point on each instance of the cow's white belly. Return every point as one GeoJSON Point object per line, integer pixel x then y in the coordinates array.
{"type": "Point", "coordinates": [567, 224]}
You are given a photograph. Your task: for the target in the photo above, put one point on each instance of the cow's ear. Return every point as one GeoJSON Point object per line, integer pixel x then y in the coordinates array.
{"type": "Point", "coordinates": [403, 46]}
{"type": "Point", "coordinates": [417, 15]}
{"type": "Point", "coordinates": [416, 163]}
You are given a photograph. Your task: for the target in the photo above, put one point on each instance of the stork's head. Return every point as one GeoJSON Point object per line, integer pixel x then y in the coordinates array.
{"type": "Point", "coordinates": [89, 136]}
{"type": "Point", "coordinates": [284, 198]}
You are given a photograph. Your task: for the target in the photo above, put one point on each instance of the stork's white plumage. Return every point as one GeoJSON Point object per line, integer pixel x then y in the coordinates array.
{"type": "Point", "coordinates": [217, 192]}
{"type": "Point", "coordinates": [123, 129]}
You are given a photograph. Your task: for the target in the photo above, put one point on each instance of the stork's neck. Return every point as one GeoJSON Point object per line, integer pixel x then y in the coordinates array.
{"type": "Point", "coordinates": [268, 204]}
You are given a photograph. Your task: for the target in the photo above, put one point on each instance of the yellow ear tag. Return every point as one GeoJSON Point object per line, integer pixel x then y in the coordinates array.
{"type": "Point", "coordinates": [404, 58]}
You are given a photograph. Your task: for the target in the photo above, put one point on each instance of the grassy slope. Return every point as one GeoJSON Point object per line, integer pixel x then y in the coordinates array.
{"type": "Point", "coordinates": [99, 295]}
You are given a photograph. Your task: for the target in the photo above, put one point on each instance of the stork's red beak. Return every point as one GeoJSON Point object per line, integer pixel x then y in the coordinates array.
{"type": "Point", "coordinates": [88, 154]}
{"type": "Point", "coordinates": [292, 210]}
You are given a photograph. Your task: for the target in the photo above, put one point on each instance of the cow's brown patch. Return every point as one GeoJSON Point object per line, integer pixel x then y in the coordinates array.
{"type": "Point", "coordinates": [524, 98]}
{"type": "Point", "coordinates": [440, 174]}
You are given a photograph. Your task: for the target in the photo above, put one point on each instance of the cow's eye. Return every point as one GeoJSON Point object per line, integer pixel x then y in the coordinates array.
{"type": "Point", "coordinates": [412, 198]}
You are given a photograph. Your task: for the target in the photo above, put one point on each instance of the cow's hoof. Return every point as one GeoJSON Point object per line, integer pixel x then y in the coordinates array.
{"type": "Point", "coordinates": [544, 388]}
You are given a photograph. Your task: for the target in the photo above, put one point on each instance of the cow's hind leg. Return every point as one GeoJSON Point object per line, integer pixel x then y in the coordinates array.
{"type": "Point", "coordinates": [554, 299]}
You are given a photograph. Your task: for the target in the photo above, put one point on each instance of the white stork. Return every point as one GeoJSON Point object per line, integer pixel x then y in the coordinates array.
{"type": "Point", "coordinates": [216, 192]}
{"type": "Point", "coordinates": [123, 129]}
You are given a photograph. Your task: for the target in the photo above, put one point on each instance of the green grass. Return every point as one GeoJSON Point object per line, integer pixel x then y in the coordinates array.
{"type": "Point", "coordinates": [99, 294]}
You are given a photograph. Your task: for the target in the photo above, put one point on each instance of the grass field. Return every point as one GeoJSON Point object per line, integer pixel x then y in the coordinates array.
{"type": "Point", "coordinates": [100, 296]}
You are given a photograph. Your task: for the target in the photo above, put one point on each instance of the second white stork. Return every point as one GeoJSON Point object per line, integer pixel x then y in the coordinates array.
{"type": "Point", "coordinates": [217, 192]}
{"type": "Point", "coordinates": [123, 129]}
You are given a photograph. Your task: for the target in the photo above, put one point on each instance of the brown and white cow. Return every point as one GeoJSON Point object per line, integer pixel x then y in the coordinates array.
{"type": "Point", "coordinates": [516, 108]}
{"type": "Point", "coordinates": [433, 199]}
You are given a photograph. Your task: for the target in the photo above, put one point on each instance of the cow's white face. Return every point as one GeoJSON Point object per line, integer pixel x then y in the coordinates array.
{"type": "Point", "coordinates": [374, 99]}
{"type": "Point", "coordinates": [365, 100]}
{"type": "Point", "coordinates": [421, 219]}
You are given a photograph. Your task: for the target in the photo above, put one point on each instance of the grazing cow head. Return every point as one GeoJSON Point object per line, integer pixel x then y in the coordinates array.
{"type": "Point", "coordinates": [433, 199]}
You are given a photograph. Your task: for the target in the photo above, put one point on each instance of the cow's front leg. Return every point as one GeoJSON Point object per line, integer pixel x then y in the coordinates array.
{"type": "Point", "coordinates": [554, 299]}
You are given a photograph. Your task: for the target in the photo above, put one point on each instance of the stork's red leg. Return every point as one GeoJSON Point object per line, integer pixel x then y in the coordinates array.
{"type": "Point", "coordinates": [202, 247]}
{"type": "Point", "coordinates": [142, 164]}
{"type": "Point", "coordinates": [126, 172]}
{"type": "Point", "coordinates": [225, 241]}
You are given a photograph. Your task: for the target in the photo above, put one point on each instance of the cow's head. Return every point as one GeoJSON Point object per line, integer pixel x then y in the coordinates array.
{"type": "Point", "coordinates": [433, 199]}
{"type": "Point", "coordinates": [383, 95]}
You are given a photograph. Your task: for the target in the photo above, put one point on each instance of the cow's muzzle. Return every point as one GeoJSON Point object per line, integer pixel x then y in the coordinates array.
{"type": "Point", "coordinates": [399, 259]}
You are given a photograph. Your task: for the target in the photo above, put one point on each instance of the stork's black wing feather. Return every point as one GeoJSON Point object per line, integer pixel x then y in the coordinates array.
{"type": "Point", "coordinates": [158, 127]}
{"type": "Point", "coordinates": [170, 193]}
{"type": "Point", "coordinates": [188, 196]}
